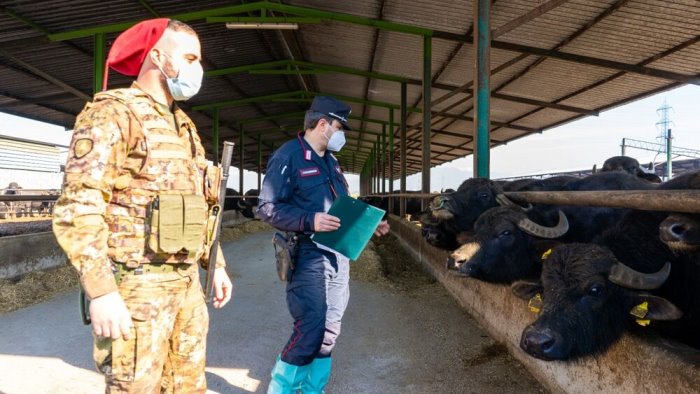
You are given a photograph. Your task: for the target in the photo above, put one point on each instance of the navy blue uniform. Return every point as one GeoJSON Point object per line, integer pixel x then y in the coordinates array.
{"type": "Point", "coordinates": [299, 183]}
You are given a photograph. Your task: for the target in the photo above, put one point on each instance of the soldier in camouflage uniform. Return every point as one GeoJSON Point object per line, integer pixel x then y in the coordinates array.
{"type": "Point", "coordinates": [133, 150]}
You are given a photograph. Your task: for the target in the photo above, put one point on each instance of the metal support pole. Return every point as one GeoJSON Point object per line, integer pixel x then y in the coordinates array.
{"type": "Point", "coordinates": [379, 163]}
{"type": "Point", "coordinates": [99, 57]}
{"type": "Point", "coordinates": [623, 147]}
{"type": "Point", "coordinates": [376, 166]}
{"type": "Point", "coordinates": [402, 200]}
{"type": "Point", "coordinates": [482, 121]}
{"type": "Point", "coordinates": [259, 162]}
{"type": "Point", "coordinates": [215, 137]}
{"type": "Point", "coordinates": [669, 159]}
{"type": "Point", "coordinates": [391, 159]}
{"type": "Point", "coordinates": [372, 187]}
{"type": "Point", "coordinates": [354, 162]}
{"type": "Point", "coordinates": [383, 158]}
{"type": "Point", "coordinates": [240, 169]}
{"type": "Point", "coordinates": [427, 81]}
{"type": "Point", "coordinates": [362, 183]}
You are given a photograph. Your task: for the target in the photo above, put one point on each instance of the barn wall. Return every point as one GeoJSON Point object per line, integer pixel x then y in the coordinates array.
{"type": "Point", "coordinates": [636, 364]}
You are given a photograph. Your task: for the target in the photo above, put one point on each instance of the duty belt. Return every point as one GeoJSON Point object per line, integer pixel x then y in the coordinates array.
{"type": "Point", "coordinates": [121, 269]}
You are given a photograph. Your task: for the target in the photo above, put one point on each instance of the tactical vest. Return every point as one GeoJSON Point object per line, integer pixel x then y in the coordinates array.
{"type": "Point", "coordinates": [161, 160]}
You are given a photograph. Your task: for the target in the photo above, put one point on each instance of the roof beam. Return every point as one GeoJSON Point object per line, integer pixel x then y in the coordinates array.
{"type": "Point", "coordinates": [527, 17]}
{"type": "Point", "coordinates": [546, 104]}
{"type": "Point", "coordinates": [250, 7]}
{"type": "Point", "coordinates": [593, 61]}
{"type": "Point", "coordinates": [317, 67]}
{"type": "Point", "coordinates": [184, 17]}
{"type": "Point", "coordinates": [370, 67]}
{"type": "Point", "coordinates": [21, 100]}
{"type": "Point", "coordinates": [46, 76]}
{"type": "Point", "coordinates": [301, 95]}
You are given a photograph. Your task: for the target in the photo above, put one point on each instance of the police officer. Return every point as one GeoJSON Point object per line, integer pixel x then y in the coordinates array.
{"type": "Point", "coordinates": [301, 182]}
{"type": "Point", "coordinates": [133, 213]}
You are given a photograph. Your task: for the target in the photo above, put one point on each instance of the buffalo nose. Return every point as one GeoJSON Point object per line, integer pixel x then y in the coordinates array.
{"type": "Point", "coordinates": [451, 264]}
{"type": "Point", "coordinates": [538, 341]}
{"type": "Point", "coordinates": [677, 230]}
{"type": "Point", "coordinates": [671, 230]}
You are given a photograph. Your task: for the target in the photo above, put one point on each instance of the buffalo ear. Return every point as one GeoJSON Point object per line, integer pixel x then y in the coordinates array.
{"type": "Point", "coordinates": [660, 308]}
{"type": "Point", "coordinates": [526, 290]}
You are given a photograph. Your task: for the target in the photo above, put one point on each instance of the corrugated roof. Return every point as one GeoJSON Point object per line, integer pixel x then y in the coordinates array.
{"type": "Point", "coordinates": [533, 90]}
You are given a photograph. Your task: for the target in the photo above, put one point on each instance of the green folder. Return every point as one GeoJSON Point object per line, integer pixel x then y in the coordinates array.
{"type": "Point", "coordinates": [358, 221]}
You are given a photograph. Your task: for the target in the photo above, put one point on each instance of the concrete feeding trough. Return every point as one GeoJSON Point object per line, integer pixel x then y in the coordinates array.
{"type": "Point", "coordinates": [635, 364]}
{"type": "Point", "coordinates": [26, 253]}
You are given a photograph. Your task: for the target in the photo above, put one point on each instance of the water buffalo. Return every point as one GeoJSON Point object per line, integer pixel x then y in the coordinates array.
{"type": "Point", "coordinates": [506, 245]}
{"type": "Point", "coordinates": [457, 212]}
{"type": "Point", "coordinates": [629, 165]}
{"type": "Point", "coordinates": [413, 205]}
{"type": "Point", "coordinates": [249, 204]}
{"type": "Point", "coordinates": [587, 297]}
{"type": "Point", "coordinates": [589, 289]}
{"type": "Point", "coordinates": [232, 204]}
{"type": "Point", "coordinates": [508, 241]}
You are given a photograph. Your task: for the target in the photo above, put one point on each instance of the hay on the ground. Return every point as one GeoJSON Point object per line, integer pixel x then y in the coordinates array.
{"type": "Point", "coordinates": [239, 231]}
{"type": "Point", "coordinates": [35, 287]}
{"type": "Point", "coordinates": [368, 267]}
{"type": "Point", "coordinates": [400, 268]}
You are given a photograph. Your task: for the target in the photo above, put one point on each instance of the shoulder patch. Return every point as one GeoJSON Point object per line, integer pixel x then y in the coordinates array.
{"type": "Point", "coordinates": [82, 147]}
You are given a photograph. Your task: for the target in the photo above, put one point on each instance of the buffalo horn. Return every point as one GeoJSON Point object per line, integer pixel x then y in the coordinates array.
{"type": "Point", "coordinates": [541, 231]}
{"type": "Point", "coordinates": [504, 201]}
{"type": "Point", "coordinates": [625, 276]}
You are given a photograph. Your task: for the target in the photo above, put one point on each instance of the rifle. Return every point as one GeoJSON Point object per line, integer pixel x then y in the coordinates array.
{"type": "Point", "coordinates": [216, 212]}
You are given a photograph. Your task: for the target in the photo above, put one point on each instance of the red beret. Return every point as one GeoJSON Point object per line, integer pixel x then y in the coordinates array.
{"type": "Point", "coordinates": [132, 46]}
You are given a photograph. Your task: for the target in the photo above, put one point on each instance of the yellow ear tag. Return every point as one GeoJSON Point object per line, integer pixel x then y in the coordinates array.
{"type": "Point", "coordinates": [640, 311]}
{"type": "Point", "coordinates": [546, 254]}
{"type": "Point", "coordinates": [535, 303]}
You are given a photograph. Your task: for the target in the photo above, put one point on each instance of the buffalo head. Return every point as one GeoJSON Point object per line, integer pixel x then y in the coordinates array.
{"type": "Point", "coordinates": [589, 299]}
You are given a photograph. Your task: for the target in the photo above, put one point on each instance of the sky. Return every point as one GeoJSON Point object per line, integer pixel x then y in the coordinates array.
{"type": "Point", "coordinates": [573, 146]}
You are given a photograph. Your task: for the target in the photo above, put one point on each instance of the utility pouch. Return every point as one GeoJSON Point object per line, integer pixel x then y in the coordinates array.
{"type": "Point", "coordinates": [177, 222]}
{"type": "Point", "coordinates": [285, 254]}
{"type": "Point", "coordinates": [212, 184]}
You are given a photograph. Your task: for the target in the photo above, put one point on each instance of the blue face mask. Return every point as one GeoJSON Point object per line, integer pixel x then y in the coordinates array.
{"type": "Point", "coordinates": [187, 82]}
{"type": "Point", "coordinates": [337, 140]}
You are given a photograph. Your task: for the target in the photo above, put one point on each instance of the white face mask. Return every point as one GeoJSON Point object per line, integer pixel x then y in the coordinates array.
{"type": "Point", "coordinates": [187, 82]}
{"type": "Point", "coordinates": [337, 140]}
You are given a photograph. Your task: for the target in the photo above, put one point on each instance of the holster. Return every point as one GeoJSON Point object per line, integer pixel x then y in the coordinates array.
{"type": "Point", "coordinates": [286, 249]}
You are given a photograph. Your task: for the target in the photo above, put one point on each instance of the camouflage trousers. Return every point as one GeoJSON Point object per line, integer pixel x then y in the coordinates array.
{"type": "Point", "coordinates": [167, 346]}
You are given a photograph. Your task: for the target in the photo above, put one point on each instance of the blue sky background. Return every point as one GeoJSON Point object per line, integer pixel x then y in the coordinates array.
{"type": "Point", "coordinates": [572, 146]}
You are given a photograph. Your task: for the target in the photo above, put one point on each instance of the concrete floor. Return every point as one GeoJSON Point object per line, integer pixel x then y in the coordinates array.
{"type": "Point", "coordinates": [393, 340]}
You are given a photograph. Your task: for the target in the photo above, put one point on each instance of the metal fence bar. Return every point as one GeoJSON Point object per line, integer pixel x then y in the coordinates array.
{"type": "Point", "coordinates": [646, 200]}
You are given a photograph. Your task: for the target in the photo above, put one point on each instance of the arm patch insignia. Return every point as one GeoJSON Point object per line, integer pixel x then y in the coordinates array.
{"type": "Point", "coordinates": [82, 147]}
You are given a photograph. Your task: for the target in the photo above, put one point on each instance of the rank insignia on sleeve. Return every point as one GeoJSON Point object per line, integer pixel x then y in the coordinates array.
{"type": "Point", "coordinates": [82, 147]}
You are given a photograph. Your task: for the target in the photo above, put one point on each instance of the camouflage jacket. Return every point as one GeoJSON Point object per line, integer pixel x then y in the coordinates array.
{"type": "Point", "coordinates": [126, 149]}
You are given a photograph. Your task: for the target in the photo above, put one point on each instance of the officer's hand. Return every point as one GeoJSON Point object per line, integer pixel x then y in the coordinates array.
{"type": "Point", "coordinates": [110, 318]}
{"type": "Point", "coordinates": [223, 289]}
{"type": "Point", "coordinates": [324, 222]}
{"type": "Point", "coordinates": [382, 229]}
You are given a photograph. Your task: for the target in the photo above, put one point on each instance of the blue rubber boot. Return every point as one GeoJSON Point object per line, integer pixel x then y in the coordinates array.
{"type": "Point", "coordinates": [287, 378]}
{"type": "Point", "coordinates": [318, 376]}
